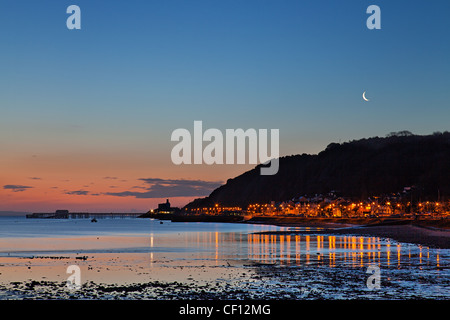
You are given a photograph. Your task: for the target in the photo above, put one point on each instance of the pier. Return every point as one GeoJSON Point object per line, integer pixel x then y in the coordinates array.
{"type": "Point", "coordinates": [65, 214]}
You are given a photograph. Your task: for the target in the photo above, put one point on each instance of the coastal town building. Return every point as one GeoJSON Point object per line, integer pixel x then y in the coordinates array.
{"type": "Point", "coordinates": [165, 208]}
{"type": "Point", "coordinates": [331, 206]}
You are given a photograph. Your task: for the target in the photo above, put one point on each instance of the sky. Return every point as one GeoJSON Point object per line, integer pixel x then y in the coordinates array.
{"type": "Point", "coordinates": [86, 115]}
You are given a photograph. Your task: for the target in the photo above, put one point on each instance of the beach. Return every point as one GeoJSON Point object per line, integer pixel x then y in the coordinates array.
{"type": "Point", "coordinates": [133, 259]}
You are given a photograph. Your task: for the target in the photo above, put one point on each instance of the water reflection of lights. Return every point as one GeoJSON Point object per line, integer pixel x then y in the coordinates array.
{"type": "Point", "coordinates": [330, 250]}
{"type": "Point", "coordinates": [300, 249]}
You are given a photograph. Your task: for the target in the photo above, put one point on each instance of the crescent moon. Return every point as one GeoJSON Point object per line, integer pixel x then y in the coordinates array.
{"type": "Point", "coordinates": [364, 96]}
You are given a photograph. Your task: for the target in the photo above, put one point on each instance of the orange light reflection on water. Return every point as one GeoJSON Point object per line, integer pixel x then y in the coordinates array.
{"type": "Point", "coordinates": [206, 248]}
{"type": "Point", "coordinates": [329, 250]}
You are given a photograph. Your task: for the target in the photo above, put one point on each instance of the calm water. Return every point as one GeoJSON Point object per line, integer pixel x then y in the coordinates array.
{"type": "Point", "coordinates": [296, 266]}
{"type": "Point", "coordinates": [22, 237]}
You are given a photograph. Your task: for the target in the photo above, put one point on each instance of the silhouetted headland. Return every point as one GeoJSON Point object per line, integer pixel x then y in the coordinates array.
{"type": "Point", "coordinates": [355, 170]}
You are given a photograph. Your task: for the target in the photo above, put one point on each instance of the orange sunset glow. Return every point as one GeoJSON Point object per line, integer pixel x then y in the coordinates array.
{"type": "Point", "coordinates": [99, 181]}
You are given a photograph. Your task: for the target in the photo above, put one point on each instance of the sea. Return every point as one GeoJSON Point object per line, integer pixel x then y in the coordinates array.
{"type": "Point", "coordinates": [242, 260]}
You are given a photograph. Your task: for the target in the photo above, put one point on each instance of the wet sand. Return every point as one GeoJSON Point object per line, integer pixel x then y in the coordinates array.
{"type": "Point", "coordinates": [120, 277]}
{"type": "Point", "coordinates": [265, 267]}
{"type": "Point", "coordinates": [251, 281]}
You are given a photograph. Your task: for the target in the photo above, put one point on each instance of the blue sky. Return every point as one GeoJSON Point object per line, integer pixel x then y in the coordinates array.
{"type": "Point", "coordinates": [137, 70]}
{"type": "Point", "coordinates": [299, 65]}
